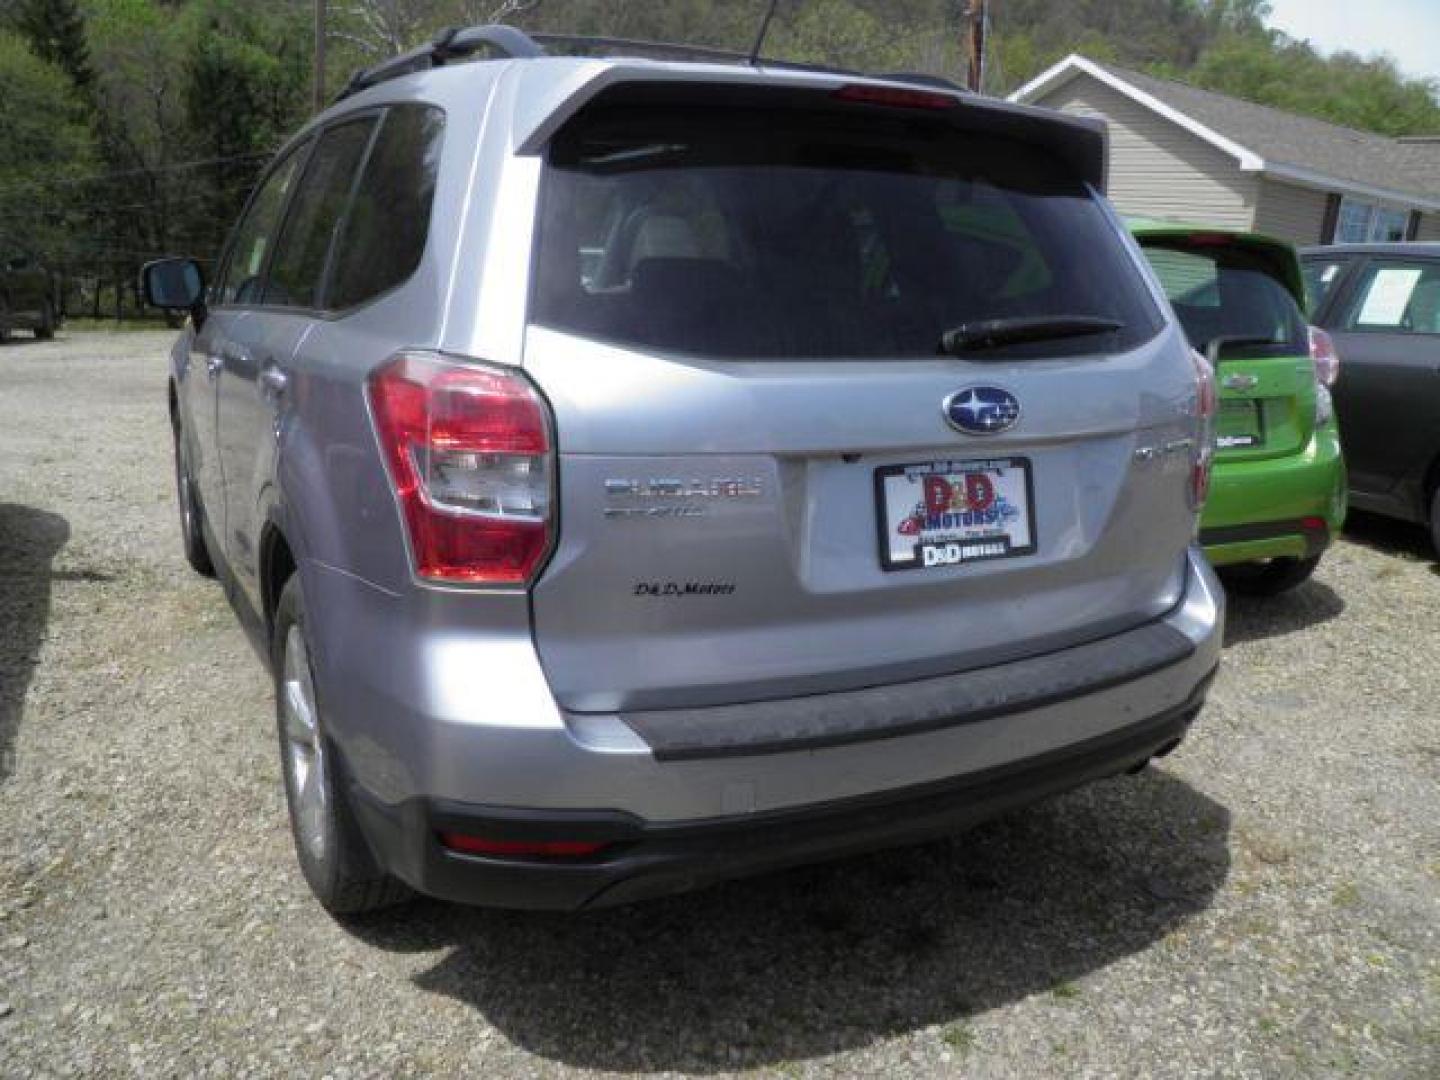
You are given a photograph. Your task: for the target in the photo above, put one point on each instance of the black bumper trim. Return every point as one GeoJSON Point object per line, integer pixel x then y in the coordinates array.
{"type": "Point", "coordinates": [647, 859]}
{"type": "Point", "coordinates": [1316, 540]}
{"type": "Point", "coordinates": [882, 712]}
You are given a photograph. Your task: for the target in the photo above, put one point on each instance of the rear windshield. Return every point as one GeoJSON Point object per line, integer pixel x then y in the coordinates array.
{"type": "Point", "coordinates": [805, 235]}
{"type": "Point", "coordinates": [1227, 291]}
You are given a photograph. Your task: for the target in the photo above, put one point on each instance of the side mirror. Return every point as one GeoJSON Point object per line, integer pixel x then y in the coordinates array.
{"type": "Point", "coordinates": [173, 284]}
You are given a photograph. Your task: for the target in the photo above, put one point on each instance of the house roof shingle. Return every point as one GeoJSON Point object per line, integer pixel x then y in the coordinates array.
{"type": "Point", "coordinates": [1284, 138]}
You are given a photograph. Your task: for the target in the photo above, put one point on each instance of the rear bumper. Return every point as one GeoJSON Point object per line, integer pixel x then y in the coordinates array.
{"type": "Point", "coordinates": [643, 860]}
{"type": "Point", "coordinates": [675, 823]}
{"type": "Point", "coordinates": [1269, 509]}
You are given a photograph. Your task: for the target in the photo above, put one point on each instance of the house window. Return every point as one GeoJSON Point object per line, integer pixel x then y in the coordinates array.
{"type": "Point", "coordinates": [1362, 222]}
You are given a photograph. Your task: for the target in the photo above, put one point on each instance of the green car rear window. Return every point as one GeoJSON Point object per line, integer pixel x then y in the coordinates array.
{"type": "Point", "coordinates": [1229, 292]}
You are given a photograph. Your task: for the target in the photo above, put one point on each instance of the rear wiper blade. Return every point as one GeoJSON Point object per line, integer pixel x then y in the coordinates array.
{"type": "Point", "coordinates": [993, 333]}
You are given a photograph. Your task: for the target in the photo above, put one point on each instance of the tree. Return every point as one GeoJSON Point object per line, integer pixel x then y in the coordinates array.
{"type": "Point", "coordinates": [46, 149]}
{"type": "Point", "coordinates": [56, 32]}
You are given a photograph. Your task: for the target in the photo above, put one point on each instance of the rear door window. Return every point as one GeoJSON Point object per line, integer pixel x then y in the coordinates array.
{"type": "Point", "coordinates": [1398, 296]}
{"type": "Point", "coordinates": [1221, 291]}
{"type": "Point", "coordinates": [792, 234]}
{"type": "Point", "coordinates": [315, 215]}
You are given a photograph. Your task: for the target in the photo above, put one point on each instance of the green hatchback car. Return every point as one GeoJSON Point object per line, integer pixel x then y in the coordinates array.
{"type": "Point", "coordinates": [1278, 490]}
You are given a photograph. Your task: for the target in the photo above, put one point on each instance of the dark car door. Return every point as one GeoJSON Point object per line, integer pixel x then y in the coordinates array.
{"type": "Point", "coordinates": [234, 293]}
{"type": "Point", "coordinates": [256, 369]}
{"type": "Point", "coordinates": [1387, 330]}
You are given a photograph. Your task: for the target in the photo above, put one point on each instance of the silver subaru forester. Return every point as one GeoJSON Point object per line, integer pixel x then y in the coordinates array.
{"type": "Point", "coordinates": [640, 473]}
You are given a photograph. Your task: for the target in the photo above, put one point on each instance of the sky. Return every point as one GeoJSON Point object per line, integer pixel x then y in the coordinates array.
{"type": "Point", "coordinates": [1409, 30]}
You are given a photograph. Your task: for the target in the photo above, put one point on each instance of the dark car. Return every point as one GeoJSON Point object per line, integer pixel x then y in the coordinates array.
{"type": "Point", "coordinates": [1381, 304]}
{"type": "Point", "coordinates": [26, 296]}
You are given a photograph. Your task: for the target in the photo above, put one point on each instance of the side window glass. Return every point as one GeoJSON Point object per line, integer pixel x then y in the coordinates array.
{"type": "Point", "coordinates": [383, 236]}
{"type": "Point", "coordinates": [1321, 275]}
{"type": "Point", "coordinates": [255, 235]}
{"type": "Point", "coordinates": [315, 215]}
{"type": "Point", "coordinates": [1398, 298]}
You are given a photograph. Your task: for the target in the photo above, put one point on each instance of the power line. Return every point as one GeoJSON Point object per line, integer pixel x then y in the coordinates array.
{"type": "Point", "coordinates": [179, 166]}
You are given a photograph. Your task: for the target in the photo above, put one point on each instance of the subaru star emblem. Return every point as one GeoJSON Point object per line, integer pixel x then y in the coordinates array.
{"type": "Point", "coordinates": [982, 410]}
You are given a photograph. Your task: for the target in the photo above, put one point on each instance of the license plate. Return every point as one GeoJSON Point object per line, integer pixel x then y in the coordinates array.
{"type": "Point", "coordinates": [945, 513]}
{"type": "Point", "coordinates": [1239, 425]}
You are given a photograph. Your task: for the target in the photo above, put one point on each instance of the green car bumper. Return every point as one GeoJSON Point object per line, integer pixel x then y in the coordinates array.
{"type": "Point", "coordinates": [1276, 507]}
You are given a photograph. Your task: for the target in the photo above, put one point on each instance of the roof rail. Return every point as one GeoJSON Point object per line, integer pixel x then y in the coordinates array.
{"type": "Point", "coordinates": [574, 44]}
{"type": "Point", "coordinates": [506, 42]}
{"type": "Point", "coordinates": [452, 43]}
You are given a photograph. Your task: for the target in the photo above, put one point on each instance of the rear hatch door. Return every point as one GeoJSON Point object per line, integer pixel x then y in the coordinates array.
{"type": "Point", "coordinates": [1246, 293]}
{"type": "Point", "coordinates": [772, 482]}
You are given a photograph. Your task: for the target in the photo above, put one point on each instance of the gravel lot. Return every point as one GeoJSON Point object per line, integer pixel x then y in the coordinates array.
{"type": "Point", "coordinates": [1265, 903]}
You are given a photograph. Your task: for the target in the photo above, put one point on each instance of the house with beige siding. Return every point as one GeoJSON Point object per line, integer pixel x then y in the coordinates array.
{"type": "Point", "coordinates": [1183, 153]}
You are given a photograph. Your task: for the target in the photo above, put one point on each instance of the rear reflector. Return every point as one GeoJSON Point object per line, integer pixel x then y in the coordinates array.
{"type": "Point", "coordinates": [896, 97]}
{"type": "Point", "coordinates": [1313, 524]}
{"type": "Point", "coordinates": [520, 849]}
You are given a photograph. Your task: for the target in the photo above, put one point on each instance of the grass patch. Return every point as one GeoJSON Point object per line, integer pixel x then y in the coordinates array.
{"type": "Point", "coordinates": [1346, 896]}
{"type": "Point", "coordinates": [1066, 991]}
{"type": "Point", "coordinates": [110, 326]}
{"type": "Point", "coordinates": [959, 1037]}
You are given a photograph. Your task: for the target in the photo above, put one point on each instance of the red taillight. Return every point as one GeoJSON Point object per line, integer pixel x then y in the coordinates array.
{"type": "Point", "coordinates": [520, 849]}
{"type": "Point", "coordinates": [1327, 359]}
{"type": "Point", "coordinates": [469, 452]}
{"type": "Point", "coordinates": [896, 97]}
{"type": "Point", "coordinates": [1206, 406]}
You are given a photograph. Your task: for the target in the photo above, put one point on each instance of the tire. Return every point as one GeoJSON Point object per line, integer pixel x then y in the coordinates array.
{"type": "Point", "coordinates": [1435, 521]}
{"type": "Point", "coordinates": [46, 330]}
{"type": "Point", "coordinates": [1269, 578]}
{"type": "Point", "coordinates": [332, 852]}
{"type": "Point", "coordinates": [192, 519]}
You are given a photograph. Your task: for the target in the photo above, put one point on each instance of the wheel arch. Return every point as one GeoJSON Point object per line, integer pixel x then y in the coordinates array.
{"type": "Point", "coordinates": [277, 565]}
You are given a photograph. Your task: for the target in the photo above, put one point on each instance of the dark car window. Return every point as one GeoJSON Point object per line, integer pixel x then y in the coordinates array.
{"type": "Point", "coordinates": [1321, 276]}
{"type": "Point", "coordinates": [383, 237]}
{"type": "Point", "coordinates": [315, 214]}
{"type": "Point", "coordinates": [254, 237]}
{"type": "Point", "coordinates": [1397, 296]}
{"type": "Point", "coordinates": [806, 235]}
{"type": "Point", "coordinates": [1228, 291]}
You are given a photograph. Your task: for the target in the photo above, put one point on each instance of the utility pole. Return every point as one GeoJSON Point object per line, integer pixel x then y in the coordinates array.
{"type": "Point", "coordinates": [317, 79]}
{"type": "Point", "coordinates": [977, 17]}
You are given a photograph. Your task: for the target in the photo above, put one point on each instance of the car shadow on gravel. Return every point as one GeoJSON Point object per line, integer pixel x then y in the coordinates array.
{"type": "Point", "coordinates": [829, 958]}
{"type": "Point", "coordinates": [29, 541]}
{"type": "Point", "coordinates": [1390, 536]}
{"type": "Point", "coordinates": [1251, 618]}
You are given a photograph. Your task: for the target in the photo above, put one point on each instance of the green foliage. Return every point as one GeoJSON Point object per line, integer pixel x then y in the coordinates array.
{"type": "Point", "coordinates": [1222, 45]}
{"type": "Point", "coordinates": [56, 32]}
{"type": "Point", "coordinates": [136, 127]}
{"type": "Point", "coordinates": [1367, 94]}
{"type": "Point", "coordinates": [46, 145]}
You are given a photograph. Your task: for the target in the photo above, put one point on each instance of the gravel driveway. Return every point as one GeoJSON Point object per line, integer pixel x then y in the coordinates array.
{"type": "Point", "coordinates": [1264, 903]}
